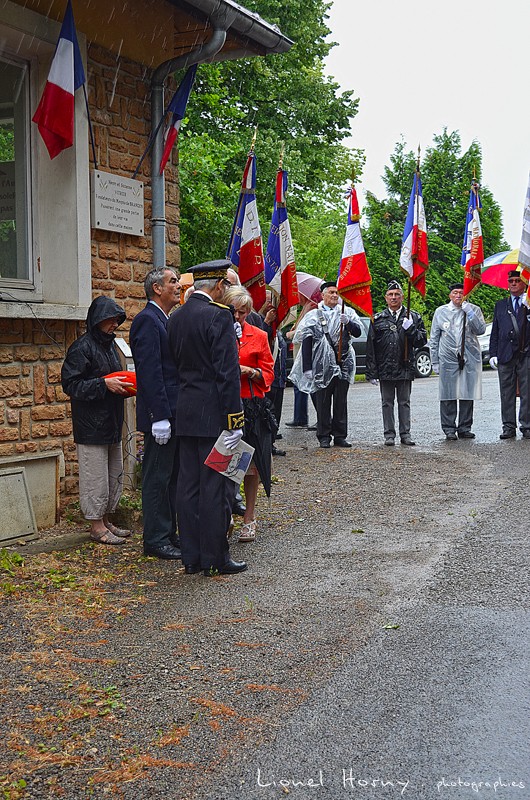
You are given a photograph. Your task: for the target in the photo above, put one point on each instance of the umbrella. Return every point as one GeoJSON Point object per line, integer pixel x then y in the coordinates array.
{"type": "Point", "coordinates": [259, 427]}
{"type": "Point", "coordinates": [309, 286]}
{"type": "Point", "coordinates": [495, 268]}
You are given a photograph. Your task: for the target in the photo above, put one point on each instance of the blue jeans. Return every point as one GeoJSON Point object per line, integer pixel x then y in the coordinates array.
{"type": "Point", "coordinates": [300, 407]}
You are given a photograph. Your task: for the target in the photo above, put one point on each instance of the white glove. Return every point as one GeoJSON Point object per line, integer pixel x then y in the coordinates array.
{"type": "Point", "coordinates": [161, 431]}
{"type": "Point", "coordinates": [407, 323]}
{"type": "Point", "coordinates": [344, 319]}
{"type": "Point", "coordinates": [232, 440]}
{"type": "Point", "coordinates": [373, 381]}
{"type": "Point", "coordinates": [308, 375]}
{"type": "Point", "coordinates": [436, 369]}
{"type": "Point", "coordinates": [525, 300]}
{"type": "Point", "coordinates": [238, 329]}
{"type": "Point", "coordinates": [465, 305]}
{"type": "Point", "coordinates": [493, 362]}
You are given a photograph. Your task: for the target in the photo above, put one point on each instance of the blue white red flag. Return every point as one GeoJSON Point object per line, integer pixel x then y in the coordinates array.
{"type": "Point", "coordinates": [55, 113]}
{"type": "Point", "coordinates": [524, 248]}
{"type": "Point", "coordinates": [473, 247]}
{"type": "Point", "coordinates": [245, 249]}
{"type": "Point", "coordinates": [280, 267]}
{"type": "Point", "coordinates": [354, 276]}
{"type": "Point", "coordinates": [177, 108]}
{"type": "Point", "coordinates": [414, 258]}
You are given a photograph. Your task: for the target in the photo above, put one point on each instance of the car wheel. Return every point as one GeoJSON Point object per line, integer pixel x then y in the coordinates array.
{"type": "Point", "coordinates": [423, 366]}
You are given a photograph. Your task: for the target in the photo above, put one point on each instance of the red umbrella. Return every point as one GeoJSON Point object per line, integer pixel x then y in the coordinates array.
{"type": "Point", "coordinates": [495, 268]}
{"type": "Point", "coordinates": [309, 286]}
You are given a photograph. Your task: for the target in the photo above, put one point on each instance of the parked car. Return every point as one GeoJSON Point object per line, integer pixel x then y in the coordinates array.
{"type": "Point", "coordinates": [422, 356]}
{"type": "Point", "coordinates": [484, 342]}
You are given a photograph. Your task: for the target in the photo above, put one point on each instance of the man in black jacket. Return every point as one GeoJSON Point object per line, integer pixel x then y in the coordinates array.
{"type": "Point", "coordinates": [392, 339]}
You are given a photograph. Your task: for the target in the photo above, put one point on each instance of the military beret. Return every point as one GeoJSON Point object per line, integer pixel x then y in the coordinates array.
{"type": "Point", "coordinates": [454, 286]}
{"type": "Point", "coordinates": [327, 284]}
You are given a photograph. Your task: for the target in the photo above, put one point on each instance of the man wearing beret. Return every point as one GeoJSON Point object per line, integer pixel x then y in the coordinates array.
{"type": "Point", "coordinates": [510, 354]}
{"type": "Point", "coordinates": [325, 364]}
{"type": "Point", "coordinates": [457, 358]}
{"type": "Point", "coordinates": [203, 344]}
{"type": "Point", "coordinates": [393, 337]}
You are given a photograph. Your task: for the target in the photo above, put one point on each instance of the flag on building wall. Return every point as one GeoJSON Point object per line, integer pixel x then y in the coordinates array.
{"type": "Point", "coordinates": [280, 267]}
{"type": "Point", "coordinates": [55, 113]}
{"type": "Point", "coordinates": [473, 247]}
{"type": "Point", "coordinates": [177, 108]}
{"type": "Point", "coordinates": [524, 249]}
{"type": "Point", "coordinates": [354, 277]}
{"type": "Point", "coordinates": [245, 249]}
{"type": "Point", "coordinates": [414, 258]}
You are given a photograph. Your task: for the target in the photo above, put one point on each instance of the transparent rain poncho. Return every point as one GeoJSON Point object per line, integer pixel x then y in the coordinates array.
{"type": "Point", "coordinates": [445, 344]}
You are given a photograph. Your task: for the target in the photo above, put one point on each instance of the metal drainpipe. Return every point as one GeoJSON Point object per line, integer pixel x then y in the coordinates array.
{"type": "Point", "coordinates": [158, 207]}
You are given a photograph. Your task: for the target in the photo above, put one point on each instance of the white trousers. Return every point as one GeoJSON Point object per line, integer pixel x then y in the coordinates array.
{"type": "Point", "coordinates": [100, 478]}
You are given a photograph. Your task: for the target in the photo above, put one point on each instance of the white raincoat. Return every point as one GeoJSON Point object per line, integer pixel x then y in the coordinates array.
{"type": "Point", "coordinates": [445, 344]}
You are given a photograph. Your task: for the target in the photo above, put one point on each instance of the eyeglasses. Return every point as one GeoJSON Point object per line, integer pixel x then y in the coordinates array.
{"type": "Point", "coordinates": [514, 280]}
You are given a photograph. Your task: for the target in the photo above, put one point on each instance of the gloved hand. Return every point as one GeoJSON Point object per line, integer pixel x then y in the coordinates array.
{"type": "Point", "coordinates": [232, 440]}
{"type": "Point", "coordinates": [493, 362]}
{"type": "Point", "coordinates": [407, 323]}
{"type": "Point", "coordinates": [308, 375]}
{"type": "Point", "coordinates": [238, 329]}
{"type": "Point", "coordinates": [373, 381]}
{"type": "Point", "coordinates": [344, 319]}
{"type": "Point", "coordinates": [161, 431]}
{"type": "Point", "coordinates": [436, 369]}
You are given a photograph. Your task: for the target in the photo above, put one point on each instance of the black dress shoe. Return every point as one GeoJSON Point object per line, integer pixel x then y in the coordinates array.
{"type": "Point", "coordinates": [276, 452]}
{"type": "Point", "coordinates": [295, 425]}
{"type": "Point", "coordinates": [408, 442]}
{"type": "Point", "coordinates": [507, 435]}
{"type": "Point", "coordinates": [279, 436]}
{"type": "Point", "coordinates": [389, 442]}
{"type": "Point", "coordinates": [325, 444]}
{"type": "Point", "coordinates": [451, 437]}
{"type": "Point", "coordinates": [526, 434]}
{"type": "Point", "coordinates": [192, 569]}
{"type": "Point", "coordinates": [174, 541]}
{"type": "Point", "coordinates": [239, 509]}
{"type": "Point", "coordinates": [341, 443]}
{"type": "Point", "coordinates": [466, 435]}
{"type": "Point", "coordinates": [311, 427]}
{"type": "Point", "coordinates": [230, 568]}
{"type": "Point", "coordinates": [165, 551]}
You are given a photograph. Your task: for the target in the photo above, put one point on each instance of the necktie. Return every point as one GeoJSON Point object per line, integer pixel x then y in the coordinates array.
{"type": "Point", "coordinates": [516, 304]}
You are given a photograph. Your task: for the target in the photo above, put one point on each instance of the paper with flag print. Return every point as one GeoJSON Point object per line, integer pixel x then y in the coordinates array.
{"type": "Point", "coordinates": [354, 277]}
{"type": "Point", "coordinates": [55, 113]}
{"type": "Point", "coordinates": [524, 248]}
{"type": "Point", "coordinates": [280, 267]}
{"type": "Point", "coordinates": [245, 250]}
{"type": "Point", "coordinates": [177, 108]}
{"type": "Point", "coordinates": [473, 247]}
{"type": "Point", "coordinates": [414, 258]}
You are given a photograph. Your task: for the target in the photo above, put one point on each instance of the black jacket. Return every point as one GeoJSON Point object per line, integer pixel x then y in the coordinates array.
{"type": "Point", "coordinates": [385, 346]}
{"type": "Point", "coordinates": [508, 340]}
{"type": "Point", "coordinates": [97, 414]}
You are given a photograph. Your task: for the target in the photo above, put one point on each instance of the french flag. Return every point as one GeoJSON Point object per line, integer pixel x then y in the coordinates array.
{"type": "Point", "coordinates": [473, 247]}
{"type": "Point", "coordinates": [354, 278]}
{"type": "Point", "coordinates": [55, 113]}
{"type": "Point", "coordinates": [414, 257]}
{"type": "Point", "coordinates": [177, 107]}
{"type": "Point", "coordinates": [280, 267]}
{"type": "Point", "coordinates": [245, 249]}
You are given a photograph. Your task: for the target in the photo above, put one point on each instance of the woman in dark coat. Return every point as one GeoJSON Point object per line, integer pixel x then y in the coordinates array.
{"type": "Point", "coordinates": [97, 417]}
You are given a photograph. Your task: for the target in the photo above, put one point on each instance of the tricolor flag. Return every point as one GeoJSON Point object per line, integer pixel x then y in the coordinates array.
{"type": "Point", "coordinates": [55, 113]}
{"type": "Point", "coordinates": [414, 258]}
{"type": "Point", "coordinates": [354, 276]}
{"type": "Point", "coordinates": [524, 249]}
{"type": "Point", "coordinates": [280, 267]}
{"type": "Point", "coordinates": [473, 247]}
{"type": "Point", "coordinates": [245, 250]}
{"type": "Point", "coordinates": [177, 108]}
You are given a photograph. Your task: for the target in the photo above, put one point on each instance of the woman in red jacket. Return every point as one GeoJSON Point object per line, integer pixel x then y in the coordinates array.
{"type": "Point", "coordinates": [257, 374]}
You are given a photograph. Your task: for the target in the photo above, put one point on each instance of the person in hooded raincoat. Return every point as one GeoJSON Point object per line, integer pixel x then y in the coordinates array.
{"type": "Point", "coordinates": [318, 370]}
{"type": "Point", "coordinates": [97, 417]}
{"type": "Point", "coordinates": [460, 381]}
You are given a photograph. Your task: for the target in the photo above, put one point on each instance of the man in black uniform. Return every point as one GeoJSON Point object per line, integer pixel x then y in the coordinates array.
{"type": "Point", "coordinates": [203, 344]}
{"type": "Point", "coordinates": [392, 339]}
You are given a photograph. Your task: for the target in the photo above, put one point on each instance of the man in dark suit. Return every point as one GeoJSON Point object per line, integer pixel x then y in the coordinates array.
{"type": "Point", "coordinates": [203, 344]}
{"type": "Point", "coordinates": [510, 354]}
{"type": "Point", "coordinates": [156, 401]}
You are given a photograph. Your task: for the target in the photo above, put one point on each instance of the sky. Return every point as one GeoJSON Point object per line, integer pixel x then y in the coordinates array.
{"type": "Point", "coordinates": [418, 66]}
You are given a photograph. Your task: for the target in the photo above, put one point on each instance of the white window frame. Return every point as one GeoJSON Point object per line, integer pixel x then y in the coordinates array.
{"type": "Point", "coordinates": [60, 284]}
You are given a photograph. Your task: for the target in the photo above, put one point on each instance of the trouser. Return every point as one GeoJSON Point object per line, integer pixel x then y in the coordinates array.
{"type": "Point", "coordinates": [448, 411]}
{"type": "Point", "coordinates": [300, 416]}
{"type": "Point", "coordinates": [159, 491]}
{"type": "Point", "coordinates": [275, 397]}
{"type": "Point", "coordinates": [100, 478]}
{"type": "Point", "coordinates": [204, 506]}
{"type": "Point", "coordinates": [390, 391]}
{"type": "Point", "coordinates": [332, 423]}
{"type": "Point", "coordinates": [515, 373]}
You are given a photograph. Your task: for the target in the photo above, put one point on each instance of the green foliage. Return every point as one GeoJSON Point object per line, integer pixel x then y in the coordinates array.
{"type": "Point", "coordinates": [9, 562]}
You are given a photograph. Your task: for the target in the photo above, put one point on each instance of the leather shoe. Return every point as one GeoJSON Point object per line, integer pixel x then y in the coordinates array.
{"type": "Point", "coordinates": [230, 568]}
{"type": "Point", "coordinates": [174, 541]}
{"type": "Point", "coordinates": [408, 442]}
{"type": "Point", "coordinates": [507, 435]}
{"type": "Point", "coordinates": [239, 509]}
{"type": "Point", "coordinates": [279, 436]}
{"type": "Point", "coordinates": [165, 551]}
{"type": "Point", "coordinates": [325, 444]}
{"type": "Point", "coordinates": [466, 435]}
{"type": "Point", "coordinates": [526, 434]}
{"type": "Point", "coordinates": [341, 443]}
{"type": "Point", "coordinates": [451, 437]}
{"type": "Point", "coordinates": [311, 427]}
{"type": "Point", "coordinates": [295, 425]}
{"type": "Point", "coordinates": [192, 569]}
{"type": "Point", "coordinates": [389, 442]}
{"type": "Point", "coordinates": [276, 452]}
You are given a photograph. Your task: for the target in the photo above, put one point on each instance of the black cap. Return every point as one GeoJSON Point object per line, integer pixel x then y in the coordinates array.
{"type": "Point", "coordinates": [327, 284]}
{"type": "Point", "coordinates": [514, 273]}
{"type": "Point", "coordinates": [392, 285]}
{"type": "Point", "coordinates": [210, 269]}
{"type": "Point", "coordinates": [454, 286]}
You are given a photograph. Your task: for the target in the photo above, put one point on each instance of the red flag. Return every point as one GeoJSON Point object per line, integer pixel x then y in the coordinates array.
{"type": "Point", "coordinates": [414, 258]}
{"type": "Point", "coordinates": [177, 107]}
{"type": "Point", "coordinates": [473, 247]}
{"type": "Point", "coordinates": [280, 267]}
{"type": "Point", "coordinates": [354, 276]}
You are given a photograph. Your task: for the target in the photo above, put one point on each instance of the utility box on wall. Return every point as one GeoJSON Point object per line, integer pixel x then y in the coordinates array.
{"type": "Point", "coordinates": [42, 473]}
{"type": "Point", "coordinates": [17, 520]}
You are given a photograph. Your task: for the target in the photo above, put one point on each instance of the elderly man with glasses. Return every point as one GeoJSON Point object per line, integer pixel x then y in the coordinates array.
{"type": "Point", "coordinates": [509, 353]}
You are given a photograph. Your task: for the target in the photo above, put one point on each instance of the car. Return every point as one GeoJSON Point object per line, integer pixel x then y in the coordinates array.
{"type": "Point", "coordinates": [422, 356]}
{"type": "Point", "coordinates": [484, 341]}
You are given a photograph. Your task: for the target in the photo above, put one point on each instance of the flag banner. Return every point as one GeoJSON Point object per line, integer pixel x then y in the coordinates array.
{"type": "Point", "coordinates": [55, 113]}
{"type": "Point", "coordinates": [354, 277]}
{"type": "Point", "coordinates": [524, 248]}
{"type": "Point", "coordinates": [245, 250]}
{"type": "Point", "coordinates": [473, 247]}
{"type": "Point", "coordinates": [280, 267]}
{"type": "Point", "coordinates": [414, 258]}
{"type": "Point", "coordinates": [177, 108]}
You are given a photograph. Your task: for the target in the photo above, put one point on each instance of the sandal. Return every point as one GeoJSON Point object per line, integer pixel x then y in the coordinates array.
{"type": "Point", "coordinates": [117, 531]}
{"type": "Point", "coordinates": [247, 532]}
{"type": "Point", "coordinates": [106, 537]}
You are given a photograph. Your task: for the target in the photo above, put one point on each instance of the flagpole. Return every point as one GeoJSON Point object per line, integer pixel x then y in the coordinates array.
{"type": "Point", "coordinates": [339, 354]}
{"type": "Point", "coordinates": [416, 195]}
{"type": "Point", "coordinates": [90, 129]}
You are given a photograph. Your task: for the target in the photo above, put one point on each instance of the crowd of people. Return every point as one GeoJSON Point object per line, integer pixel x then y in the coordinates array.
{"type": "Point", "coordinates": [212, 371]}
